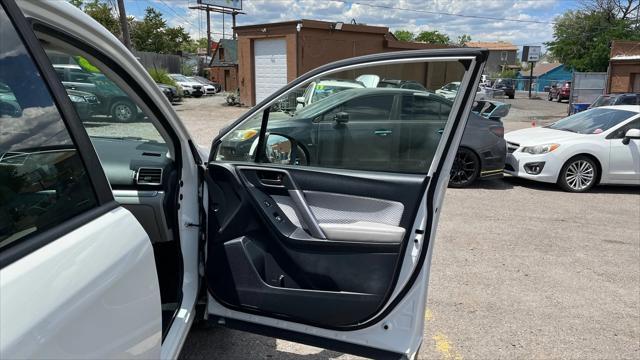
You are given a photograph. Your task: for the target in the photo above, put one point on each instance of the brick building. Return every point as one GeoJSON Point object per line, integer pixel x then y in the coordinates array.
{"type": "Point", "coordinates": [623, 74]}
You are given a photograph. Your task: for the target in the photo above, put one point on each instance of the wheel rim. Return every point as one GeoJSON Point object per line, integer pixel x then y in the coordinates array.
{"type": "Point", "coordinates": [464, 168]}
{"type": "Point", "coordinates": [580, 175]}
{"type": "Point", "coordinates": [122, 112]}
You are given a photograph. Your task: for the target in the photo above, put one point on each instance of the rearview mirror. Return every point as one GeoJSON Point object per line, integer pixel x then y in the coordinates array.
{"type": "Point", "coordinates": [283, 150]}
{"type": "Point", "coordinates": [631, 134]}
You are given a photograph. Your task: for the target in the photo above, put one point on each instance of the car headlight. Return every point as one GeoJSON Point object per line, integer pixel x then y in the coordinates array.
{"type": "Point", "coordinates": [241, 135]}
{"type": "Point", "coordinates": [77, 99]}
{"type": "Point", "coordinates": [540, 149]}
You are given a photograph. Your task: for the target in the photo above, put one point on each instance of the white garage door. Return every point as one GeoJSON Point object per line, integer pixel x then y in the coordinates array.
{"type": "Point", "coordinates": [270, 66]}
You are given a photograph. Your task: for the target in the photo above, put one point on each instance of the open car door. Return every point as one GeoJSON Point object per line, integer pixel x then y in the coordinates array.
{"type": "Point", "coordinates": [334, 250]}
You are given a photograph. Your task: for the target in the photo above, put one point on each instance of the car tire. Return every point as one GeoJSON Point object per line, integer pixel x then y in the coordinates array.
{"type": "Point", "coordinates": [578, 174]}
{"type": "Point", "coordinates": [559, 99]}
{"type": "Point", "coordinates": [550, 97]}
{"type": "Point", "coordinates": [197, 95]}
{"type": "Point", "coordinates": [465, 168]}
{"type": "Point", "coordinates": [512, 96]}
{"type": "Point", "coordinates": [123, 111]}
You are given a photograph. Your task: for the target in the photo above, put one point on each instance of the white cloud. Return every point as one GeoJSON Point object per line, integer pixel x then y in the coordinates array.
{"type": "Point", "coordinates": [264, 11]}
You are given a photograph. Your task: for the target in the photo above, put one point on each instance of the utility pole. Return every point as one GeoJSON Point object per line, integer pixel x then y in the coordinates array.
{"type": "Point", "coordinates": [208, 31]}
{"type": "Point", "coordinates": [531, 78]}
{"type": "Point", "coordinates": [124, 25]}
{"type": "Point", "coordinates": [233, 20]}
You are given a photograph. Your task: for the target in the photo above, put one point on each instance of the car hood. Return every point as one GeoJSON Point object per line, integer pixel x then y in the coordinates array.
{"type": "Point", "coordinates": [540, 135]}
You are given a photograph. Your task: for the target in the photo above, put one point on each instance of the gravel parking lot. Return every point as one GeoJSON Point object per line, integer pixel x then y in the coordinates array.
{"type": "Point", "coordinates": [520, 269]}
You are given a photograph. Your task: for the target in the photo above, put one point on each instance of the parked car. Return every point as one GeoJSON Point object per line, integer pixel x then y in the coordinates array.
{"type": "Point", "coordinates": [559, 93]}
{"type": "Point", "coordinates": [207, 89]}
{"type": "Point", "coordinates": [616, 99]}
{"type": "Point", "coordinates": [115, 240]}
{"type": "Point", "coordinates": [113, 102]}
{"type": "Point", "coordinates": [189, 87]}
{"type": "Point", "coordinates": [507, 86]}
{"type": "Point", "coordinates": [481, 153]}
{"type": "Point", "coordinates": [596, 146]}
{"type": "Point", "coordinates": [171, 92]}
{"type": "Point", "coordinates": [450, 90]}
{"type": "Point", "coordinates": [323, 88]}
{"type": "Point", "coordinates": [206, 81]}
{"type": "Point", "coordinates": [86, 104]}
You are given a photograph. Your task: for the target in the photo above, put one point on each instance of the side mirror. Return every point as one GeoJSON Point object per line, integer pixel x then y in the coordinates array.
{"type": "Point", "coordinates": [284, 150]}
{"type": "Point", "coordinates": [300, 100]}
{"type": "Point", "coordinates": [341, 118]}
{"type": "Point", "coordinates": [631, 134]}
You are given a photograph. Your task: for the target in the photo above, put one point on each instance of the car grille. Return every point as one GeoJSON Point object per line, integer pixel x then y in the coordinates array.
{"type": "Point", "coordinates": [511, 147]}
{"type": "Point", "coordinates": [197, 87]}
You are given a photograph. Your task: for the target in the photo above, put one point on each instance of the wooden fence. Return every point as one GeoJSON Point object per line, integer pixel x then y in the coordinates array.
{"type": "Point", "coordinates": [171, 63]}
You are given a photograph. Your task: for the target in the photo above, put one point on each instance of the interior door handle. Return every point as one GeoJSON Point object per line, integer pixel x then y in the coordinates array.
{"type": "Point", "coordinates": [383, 132]}
{"type": "Point", "coordinates": [268, 178]}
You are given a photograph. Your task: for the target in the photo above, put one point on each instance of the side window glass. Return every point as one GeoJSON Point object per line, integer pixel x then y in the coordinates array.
{"type": "Point", "coordinates": [366, 108]}
{"type": "Point", "coordinates": [43, 181]}
{"type": "Point", "coordinates": [619, 134]}
{"type": "Point", "coordinates": [353, 126]}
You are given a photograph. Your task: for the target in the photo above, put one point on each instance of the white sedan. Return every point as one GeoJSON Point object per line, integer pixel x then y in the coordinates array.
{"type": "Point", "coordinates": [597, 146]}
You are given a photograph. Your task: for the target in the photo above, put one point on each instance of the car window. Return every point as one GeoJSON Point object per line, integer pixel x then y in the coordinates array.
{"type": "Point", "coordinates": [620, 133]}
{"type": "Point", "coordinates": [43, 181]}
{"type": "Point", "coordinates": [377, 107]}
{"type": "Point", "coordinates": [105, 108]}
{"type": "Point", "coordinates": [357, 128]}
{"type": "Point", "coordinates": [420, 107]}
{"type": "Point", "coordinates": [629, 100]}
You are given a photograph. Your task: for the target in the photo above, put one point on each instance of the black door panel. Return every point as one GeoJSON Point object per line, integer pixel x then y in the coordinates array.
{"type": "Point", "coordinates": [267, 259]}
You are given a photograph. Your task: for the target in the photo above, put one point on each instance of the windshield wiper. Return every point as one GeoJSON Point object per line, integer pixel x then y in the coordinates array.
{"type": "Point", "coordinates": [566, 129]}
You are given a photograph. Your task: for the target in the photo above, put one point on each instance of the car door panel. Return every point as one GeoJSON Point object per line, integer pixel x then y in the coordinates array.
{"type": "Point", "coordinates": [333, 256]}
{"type": "Point", "coordinates": [287, 262]}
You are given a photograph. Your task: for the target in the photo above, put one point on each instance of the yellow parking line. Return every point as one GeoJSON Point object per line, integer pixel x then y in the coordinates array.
{"type": "Point", "coordinates": [443, 345]}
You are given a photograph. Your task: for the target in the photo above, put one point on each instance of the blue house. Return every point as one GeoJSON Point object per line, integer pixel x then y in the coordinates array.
{"type": "Point", "coordinates": [544, 74]}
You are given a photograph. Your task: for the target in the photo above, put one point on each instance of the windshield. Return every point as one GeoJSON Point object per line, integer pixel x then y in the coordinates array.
{"type": "Point", "coordinates": [594, 121]}
{"type": "Point", "coordinates": [322, 91]}
{"type": "Point", "coordinates": [603, 100]}
{"type": "Point", "coordinates": [451, 87]}
{"type": "Point", "coordinates": [180, 78]}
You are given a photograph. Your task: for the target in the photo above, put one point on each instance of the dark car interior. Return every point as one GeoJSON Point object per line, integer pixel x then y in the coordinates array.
{"type": "Point", "coordinates": [318, 246]}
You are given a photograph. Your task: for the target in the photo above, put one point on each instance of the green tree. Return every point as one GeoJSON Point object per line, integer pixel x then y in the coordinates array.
{"type": "Point", "coordinates": [152, 34]}
{"type": "Point", "coordinates": [101, 12]}
{"type": "Point", "coordinates": [404, 35]}
{"type": "Point", "coordinates": [433, 37]}
{"type": "Point", "coordinates": [463, 39]}
{"type": "Point", "coordinates": [581, 39]}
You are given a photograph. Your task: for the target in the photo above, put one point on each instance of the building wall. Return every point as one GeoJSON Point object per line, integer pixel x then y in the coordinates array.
{"type": "Point", "coordinates": [230, 82]}
{"type": "Point", "coordinates": [620, 76]}
{"type": "Point", "coordinates": [557, 75]}
{"type": "Point", "coordinates": [494, 61]}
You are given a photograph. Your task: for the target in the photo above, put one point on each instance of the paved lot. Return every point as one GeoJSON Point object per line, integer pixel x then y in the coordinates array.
{"type": "Point", "coordinates": [520, 269]}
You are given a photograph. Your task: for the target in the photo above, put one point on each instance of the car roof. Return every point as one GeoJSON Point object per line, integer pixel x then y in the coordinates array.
{"type": "Point", "coordinates": [633, 108]}
{"type": "Point", "coordinates": [340, 82]}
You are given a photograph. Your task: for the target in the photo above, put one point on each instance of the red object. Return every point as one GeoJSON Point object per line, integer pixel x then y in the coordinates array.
{"type": "Point", "coordinates": [533, 123]}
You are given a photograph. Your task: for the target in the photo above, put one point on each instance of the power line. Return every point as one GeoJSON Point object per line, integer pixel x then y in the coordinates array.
{"type": "Point", "coordinates": [388, 7]}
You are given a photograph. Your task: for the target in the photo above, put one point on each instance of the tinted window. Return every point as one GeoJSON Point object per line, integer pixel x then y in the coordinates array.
{"type": "Point", "coordinates": [621, 132]}
{"type": "Point", "coordinates": [629, 100]}
{"type": "Point", "coordinates": [42, 179]}
{"type": "Point", "coordinates": [369, 107]}
{"type": "Point", "coordinates": [419, 107]}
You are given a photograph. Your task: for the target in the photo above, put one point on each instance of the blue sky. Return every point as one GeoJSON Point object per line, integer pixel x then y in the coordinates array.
{"type": "Point", "coordinates": [414, 15]}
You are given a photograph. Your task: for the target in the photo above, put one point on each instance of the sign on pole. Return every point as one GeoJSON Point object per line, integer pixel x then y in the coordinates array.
{"type": "Point", "coordinates": [531, 53]}
{"type": "Point", "coordinates": [229, 4]}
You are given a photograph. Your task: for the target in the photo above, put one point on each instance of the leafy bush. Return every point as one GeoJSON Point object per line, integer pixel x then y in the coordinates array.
{"type": "Point", "coordinates": [161, 76]}
{"type": "Point", "coordinates": [186, 70]}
